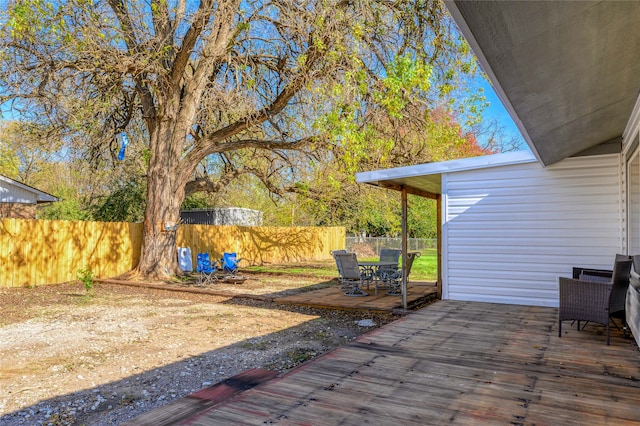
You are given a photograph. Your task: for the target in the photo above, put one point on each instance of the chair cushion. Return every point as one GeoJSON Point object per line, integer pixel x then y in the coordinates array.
{"type": "Point", "coordinates": [585, 276]}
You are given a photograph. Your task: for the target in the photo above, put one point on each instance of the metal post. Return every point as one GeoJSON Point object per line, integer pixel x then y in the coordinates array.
{"type": "Point", "coordinates": [404, 248]}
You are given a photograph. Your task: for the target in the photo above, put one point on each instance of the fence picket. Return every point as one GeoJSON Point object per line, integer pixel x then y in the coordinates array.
{"type": "Point", "coordinates": [37, 252]}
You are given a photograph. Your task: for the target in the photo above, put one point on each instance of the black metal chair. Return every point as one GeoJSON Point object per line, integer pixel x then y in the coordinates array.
{"type": "Point", "coordinates": [395, 280]}
{"type": "Point", "coordinates": [350, 276]}
{"type": "Point", "coordinates": [339, 267]}
{"type": "Point", "coordinates": [388, 255]}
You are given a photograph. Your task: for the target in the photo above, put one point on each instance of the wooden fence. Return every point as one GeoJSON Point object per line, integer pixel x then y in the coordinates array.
{"type": "Point", "coordinates": [36, 252]}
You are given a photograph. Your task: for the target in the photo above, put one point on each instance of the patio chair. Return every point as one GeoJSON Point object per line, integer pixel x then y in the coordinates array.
{"type": "Point", "coordinates": [351, 277]}
{"type": "Point", "coordinates": [229, 262]}
{"type": "Point", "coordinates": [339, 266]}
{"type": "Point", "coordinates": [229, 268]}
{"type": "Point", "coordinates": [205, 269]}
{"type": "Point", "coordinates": [594, 298]}
{"type": "Point", "coordinates": [395, 279]}
{"type": "Point", "coordinates": [388, 255]}
{"type": "Point", "coordinates": [605, 273]}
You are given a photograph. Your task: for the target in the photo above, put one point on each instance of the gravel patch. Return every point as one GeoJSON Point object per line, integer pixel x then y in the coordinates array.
{"type": "Point", "coordinates": [69, 358]}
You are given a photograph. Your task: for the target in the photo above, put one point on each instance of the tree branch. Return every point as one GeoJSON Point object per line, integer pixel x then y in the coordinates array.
{"type": "Point", "coordinates": [198, 24]}
{"type": "Point", "coordinates": [128, 34]}
{"type": "Point", "coordinates": [209, 144]}
{"type": "Point", "coordinates": [204, 184]}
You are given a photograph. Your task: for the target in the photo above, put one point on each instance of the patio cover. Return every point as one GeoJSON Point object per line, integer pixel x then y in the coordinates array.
{"type": "Point", "coordinates": [426, 179]}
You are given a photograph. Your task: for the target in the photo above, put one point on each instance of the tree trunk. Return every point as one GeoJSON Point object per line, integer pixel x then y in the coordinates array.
{"type": "Point", "coordinates": [158, 258]}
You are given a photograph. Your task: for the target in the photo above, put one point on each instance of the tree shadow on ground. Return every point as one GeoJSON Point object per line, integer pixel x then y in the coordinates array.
{"type": "Point", "coordinates": [117, 401]}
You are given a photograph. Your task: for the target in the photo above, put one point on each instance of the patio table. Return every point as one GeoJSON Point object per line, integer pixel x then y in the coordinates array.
{"type": "Point", "coordinates": [372, 268]}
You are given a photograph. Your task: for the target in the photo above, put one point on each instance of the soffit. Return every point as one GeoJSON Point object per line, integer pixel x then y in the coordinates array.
{"type": "Point", "coordinates": [566, 71]}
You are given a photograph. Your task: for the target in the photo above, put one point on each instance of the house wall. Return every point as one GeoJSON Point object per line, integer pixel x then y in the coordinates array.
{"type": "Point", "coordinates": [13, 194]}
{"type": "Point", "coordinates": [16, 202]}
{"type": "Point", "coordinates": [509, 232]}
{"type": "Point", "coordinates": [17, 211]}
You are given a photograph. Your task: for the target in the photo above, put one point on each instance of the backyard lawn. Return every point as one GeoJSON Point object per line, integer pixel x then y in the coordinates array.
{"type": "Point", "coordinates": [424, 267]}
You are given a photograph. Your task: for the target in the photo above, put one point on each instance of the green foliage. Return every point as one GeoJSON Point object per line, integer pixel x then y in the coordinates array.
{"type": "Point", "coordinates": [422, 215]}
{"type": "Point", "coordinates": [198, 200]}
{"type": "Point", "coordinates": [303, 96]}
{"type": "Point", "coordinates": [8, 162]}
{"type": "Point", "coordinates": [25, 17]}
{"type": "Point", "coordinates": [125, 204]}
{"type": "Point", "coordinates": [86, 276]}
{"type": "Point", "coordinates": [70, 206]}
{"type": "Point", "coordinates": [64, 210]}
{"type": "Point", "coordinates": [405, 74]}
{"type": "Point", "coordinates": [425, 267]}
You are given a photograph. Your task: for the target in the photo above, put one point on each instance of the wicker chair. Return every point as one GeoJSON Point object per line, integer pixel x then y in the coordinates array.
{"type": "Point", "coordinates": [594, 298]}
{"type": "Point", "coordinates": [608, 273]}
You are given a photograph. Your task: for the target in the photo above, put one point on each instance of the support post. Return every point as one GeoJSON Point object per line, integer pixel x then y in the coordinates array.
{"type": "Point", "coordinates": [404, 247]}
{"type": "Point", "coordinates": [439, 243]}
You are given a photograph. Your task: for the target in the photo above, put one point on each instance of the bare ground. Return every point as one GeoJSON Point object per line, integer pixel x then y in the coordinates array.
{"type": "Point", "coordinates": [72, 357]}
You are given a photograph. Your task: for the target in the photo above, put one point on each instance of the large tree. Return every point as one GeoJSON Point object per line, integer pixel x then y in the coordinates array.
{"type": "Point", "coordinates": [251, 81]}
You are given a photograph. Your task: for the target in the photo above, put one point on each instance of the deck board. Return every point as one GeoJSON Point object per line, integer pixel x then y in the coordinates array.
{"type": "Point", "coordinates": [454, 363]}
{"type": "Point", "coordinates": [332, 297]}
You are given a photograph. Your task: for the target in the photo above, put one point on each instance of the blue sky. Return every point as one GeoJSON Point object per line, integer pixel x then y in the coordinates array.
{"type": "Point", "coordinates": [496, 110]}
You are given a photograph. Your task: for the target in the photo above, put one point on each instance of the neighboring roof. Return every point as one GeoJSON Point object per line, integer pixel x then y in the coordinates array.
{"type": "Point", "coordinates": [425, 179]}
{"type": "Point", "coordinates": [567, 71]}
{"type": "Point", "coordinates": [41, 196]}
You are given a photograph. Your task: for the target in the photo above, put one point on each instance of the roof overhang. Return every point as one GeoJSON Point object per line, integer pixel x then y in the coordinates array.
{"type": "Point", "coordinates": [567, 72]}
{"type": "Point", "coordinates": [41, 196]}
{"type": "Point", "coordinates": [426, 179]}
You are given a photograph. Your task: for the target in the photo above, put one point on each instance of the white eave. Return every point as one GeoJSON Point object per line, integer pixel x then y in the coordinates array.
{"type": "Point", "coordinates": [566, 71]}
{"type": "Point", "coordinates": [425, 179]}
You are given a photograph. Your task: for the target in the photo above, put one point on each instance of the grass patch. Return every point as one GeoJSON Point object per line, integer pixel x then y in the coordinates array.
{"type": "Point", "coordinates": [319, 271]}
{"type": "Point", "coordinates": [425, 268]}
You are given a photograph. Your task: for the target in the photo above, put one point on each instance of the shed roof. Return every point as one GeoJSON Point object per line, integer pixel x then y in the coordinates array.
{"type": "Point", "coordinates": [41, 196]}
{"type": "Point", "coordinates": [425, 179]}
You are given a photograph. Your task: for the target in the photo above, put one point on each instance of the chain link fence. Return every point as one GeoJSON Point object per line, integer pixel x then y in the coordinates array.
{"type": "Point", "coordinates": [370, 246]}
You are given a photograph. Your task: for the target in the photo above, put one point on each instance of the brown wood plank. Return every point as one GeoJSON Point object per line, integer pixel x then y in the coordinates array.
{"type": "Point", "coordinates": [333, 297]}
{"type": "Point", "coordinates": [196, 404]}
{"type": "Point", "coordinates": [454, 363]}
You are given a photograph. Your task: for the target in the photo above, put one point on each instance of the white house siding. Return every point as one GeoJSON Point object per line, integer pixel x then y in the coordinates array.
{"type": "Point", "coordinates": [509, 232]}
{"type": "Point", "coordinates": [13, 194]}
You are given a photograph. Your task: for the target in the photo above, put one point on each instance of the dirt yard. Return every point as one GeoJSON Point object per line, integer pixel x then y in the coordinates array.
{"type": "Point", "coordinates": [72, 357]}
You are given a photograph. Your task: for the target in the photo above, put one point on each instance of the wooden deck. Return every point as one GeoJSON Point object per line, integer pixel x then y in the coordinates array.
{"type": "Point", "coordinates": [449, 363]}
{"type": "Point", "coordinates": [418, 293]}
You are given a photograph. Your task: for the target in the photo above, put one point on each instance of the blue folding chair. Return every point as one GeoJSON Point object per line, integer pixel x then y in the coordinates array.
{"type": "Point", "coordinates": [204, 268]}
{"type": "Point", "coordinates": [229, 263]}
